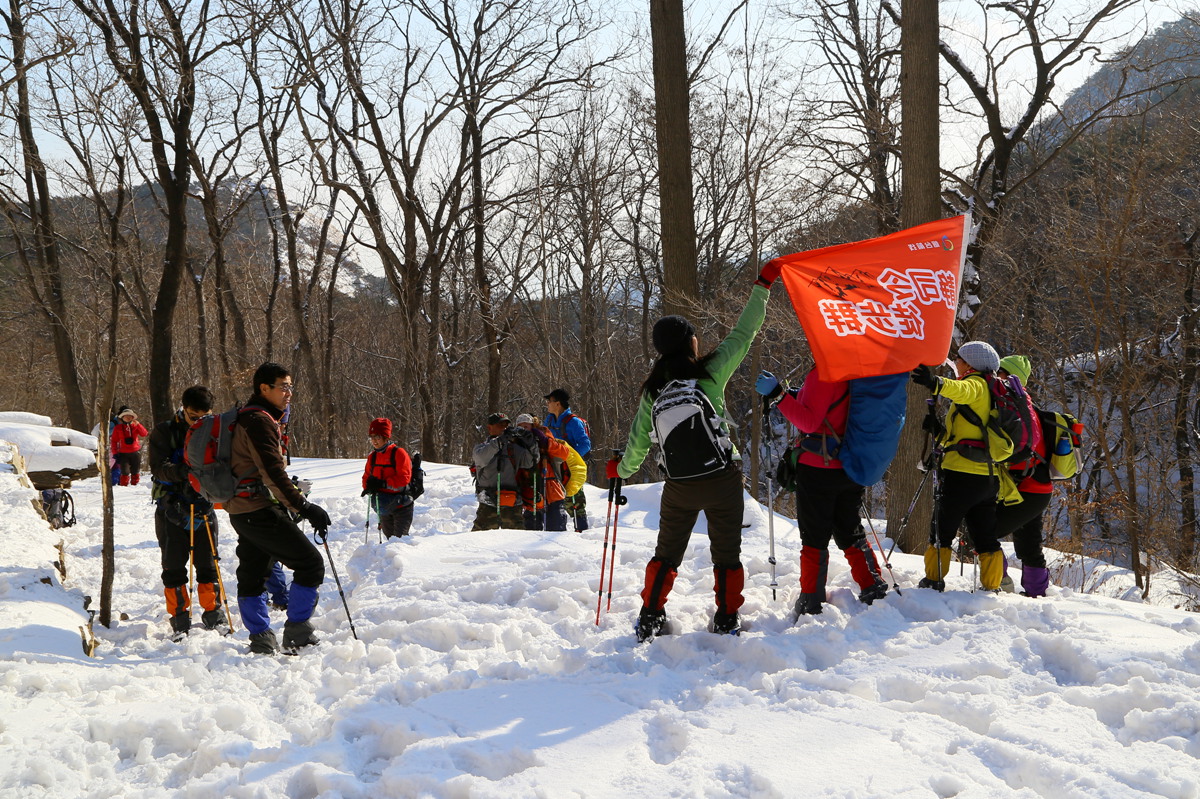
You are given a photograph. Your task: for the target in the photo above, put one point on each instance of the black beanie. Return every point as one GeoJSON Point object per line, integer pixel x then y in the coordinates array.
{"type": "Point", "coordinates": [672, 334]}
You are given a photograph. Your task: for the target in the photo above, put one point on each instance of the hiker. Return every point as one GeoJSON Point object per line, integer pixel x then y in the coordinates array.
{"type": "Point", "coordinates": [259, 514]}
{"type": "Point", "coordinates": [560, 475]}
{"type": "Point", "coordinates": [385, 480]}
{"type": "Point", "coordinates": [501, 467]}
{"type": "Point", "coordinates": [967, 480]}
{"type": "Point", "coordinates": [125, 443]}
{"type": "Point", "coordinates": [184, 521]}
{"type": "Point", "coordinates": [827, 500]}
{"type": "Point", "coordinates": [568, 427]}
{"type": "Point", "coordinates": [1024, 520]}
{"type": "Point", "coordinates": [716, 485]}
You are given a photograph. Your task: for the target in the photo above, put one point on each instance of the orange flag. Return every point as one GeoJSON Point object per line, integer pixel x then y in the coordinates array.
{"type": "Point", "coordinates": [880, 306]}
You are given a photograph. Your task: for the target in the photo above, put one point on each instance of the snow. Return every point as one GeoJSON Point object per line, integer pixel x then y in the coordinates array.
{"type": "Point", "coordinates": [480, 673]}
{"type": "Point", "coordinates": [44, 447]}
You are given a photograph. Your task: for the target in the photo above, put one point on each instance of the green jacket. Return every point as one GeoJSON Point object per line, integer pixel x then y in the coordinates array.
{"type": "Point", "coordinates": [721, 366]}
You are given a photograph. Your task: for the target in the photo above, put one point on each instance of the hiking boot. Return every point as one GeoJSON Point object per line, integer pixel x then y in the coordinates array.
{"type": "Point", "coordinates": [726, 624]}
{"type": "Point", "coordinates": [212, 619]}
{"type": "Point", "coordinates": [181, 623]}
{"type": "Point", "coordinates": [871, 593]}
{"type": "Point", "coordinates": [649, 624]}
{"type": "Point", "coordinates": [936, 585]}
{"type": "Point", "coordinates": [808, 605]}
{"type": "Point", "coordinates": [299, 633]}
{"type": "Point", "coordinates": [264, 643]}
{"type": "Point", "coordinates": [581, 523]}
{"type": "Point", "coordinates": [1006, 584]}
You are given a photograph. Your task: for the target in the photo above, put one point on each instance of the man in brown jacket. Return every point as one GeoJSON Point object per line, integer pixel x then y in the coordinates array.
{"type": "Point", "coordinates": [260, 515]}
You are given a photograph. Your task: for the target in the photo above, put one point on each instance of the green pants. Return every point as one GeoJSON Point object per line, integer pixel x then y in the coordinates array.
{"type": "Point", "coordinates": [576, 505]}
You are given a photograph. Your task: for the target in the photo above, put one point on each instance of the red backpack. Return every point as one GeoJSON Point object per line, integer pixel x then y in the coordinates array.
{"type": "Point", "coordinates": [207, 453]}
{"type": "Point", "coordinates": [1013, 417]}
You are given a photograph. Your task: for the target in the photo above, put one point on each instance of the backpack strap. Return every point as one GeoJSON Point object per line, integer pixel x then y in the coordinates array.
{"type": "Point", "coordinates": [818, 443]}
{"type": "Point", "coordinates": [968, 413]}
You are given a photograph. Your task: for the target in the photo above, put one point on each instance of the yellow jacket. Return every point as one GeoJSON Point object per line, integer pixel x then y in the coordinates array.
{"type": "Point", "coordinates": [578, 469]}
{"type": "Point", "coordinates": [971, 391]}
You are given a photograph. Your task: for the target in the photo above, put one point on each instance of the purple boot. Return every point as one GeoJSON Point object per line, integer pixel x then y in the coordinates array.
{"type": "Point", "coordinates": [1034, 580]}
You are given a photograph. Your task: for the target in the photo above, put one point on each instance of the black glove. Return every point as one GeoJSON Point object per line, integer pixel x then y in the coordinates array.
{"type": "Point", "coordinates": [933, 425]}
{"type": "Point", "coordinates": [317, 517]}
{"type": "Point", "coordinates": [924, 376]}
{"type": "Point", "coordinates": [374, 486]}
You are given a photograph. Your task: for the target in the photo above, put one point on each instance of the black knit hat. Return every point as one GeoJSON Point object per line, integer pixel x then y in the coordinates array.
{"type": "Point", "coordinates": [672, 334]}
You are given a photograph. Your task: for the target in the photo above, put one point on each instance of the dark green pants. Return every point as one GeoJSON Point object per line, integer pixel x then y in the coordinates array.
{"type": "Point", "coordinates": [721, 499]}
{"type": "Point", "coordinates": [488, 518]}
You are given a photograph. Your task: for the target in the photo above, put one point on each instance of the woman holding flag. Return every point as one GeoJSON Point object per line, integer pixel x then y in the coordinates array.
{"type": "Point", "coordinates": [719, 492]}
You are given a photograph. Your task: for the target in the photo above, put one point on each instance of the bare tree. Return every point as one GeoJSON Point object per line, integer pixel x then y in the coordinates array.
{"type": "Point", "coordinates": [28, 205]}
{"type": "Point", "coordinates": [156, 52]}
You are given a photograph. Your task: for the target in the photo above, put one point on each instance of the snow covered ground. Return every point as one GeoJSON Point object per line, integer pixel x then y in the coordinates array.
{"type": "Point", "coordinates": [480, 673]}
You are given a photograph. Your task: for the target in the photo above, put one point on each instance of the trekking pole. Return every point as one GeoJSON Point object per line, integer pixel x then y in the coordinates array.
{"type": "Point", "coordinates": [191, 555]}
{"type": "Point", "coordinates": [336, 579]}
{"type": "Point", "coordinates": [604, 557]}
{"type": "Point", "coordinates": [886, 561]}
{"type": "Point", "coordinates": [912, 506]}
{"type": "Point", "coordinates": [367, 526]}
{"type": "Point", "coordinates": [929, 462]}
{"type": "Point", "coordinates": [212, 547]}
{"type": "Point", "coordinates": [612, 562]}
{"type": "Point", "coordinates": [612, 493]}
{"type": "Point", "coordinates": [770, 507]}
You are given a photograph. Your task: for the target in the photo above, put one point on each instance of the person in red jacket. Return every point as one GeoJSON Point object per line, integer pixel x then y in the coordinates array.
{"type": "Point", "coordinates": [126, 445]}
{"type": "Point", "coordinates": [385, 480]}
{"type": "Point", "coordinates": [827, 500]}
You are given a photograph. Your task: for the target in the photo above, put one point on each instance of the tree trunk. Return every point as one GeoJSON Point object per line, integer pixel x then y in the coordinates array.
{"type": "Point", "coordinates": [673, 135]}
{"type": "Point", "coordinates": [922, 203]}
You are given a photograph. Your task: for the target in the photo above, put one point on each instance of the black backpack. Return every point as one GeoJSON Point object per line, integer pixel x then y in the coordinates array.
{"type": "Point", "coordinates": [416, 484]}
{"type": "Point", "coordinates": [59, 508]}
{"type": "Point", "coordinates": [688, 430]}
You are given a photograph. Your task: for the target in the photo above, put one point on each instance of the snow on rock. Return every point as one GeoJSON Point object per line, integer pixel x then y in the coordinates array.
{"type": "Point", "coordinates": [47, 448]}
{"type": "Point", "coordinates": [480, 672]}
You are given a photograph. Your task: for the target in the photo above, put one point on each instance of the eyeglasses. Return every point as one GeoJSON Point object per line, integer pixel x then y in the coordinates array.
{"type": "Point", "coordinates": [286, 388]}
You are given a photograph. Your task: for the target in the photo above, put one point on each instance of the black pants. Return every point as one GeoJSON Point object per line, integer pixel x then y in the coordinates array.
{"type": "Point", "coordinates": [397, 522]}
{"type": "Point", "coordinates": [269, 534]}
{"type": "Point", "coordinates": [174, 542]}
{"type": "Point", "coordinates": [721, 499]}
{"type": "Point", "coordinates": [1024, 521]}
{"type": "Point", "coordinates": [970, 498]}
{"type": "Point", "coordinates": [130, 462]}
{"type": "Point", "coordinates": [828, 504]}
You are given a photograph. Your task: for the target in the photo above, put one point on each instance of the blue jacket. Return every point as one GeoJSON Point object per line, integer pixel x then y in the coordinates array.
{"type": "Point", "coordinates": [574, 433]}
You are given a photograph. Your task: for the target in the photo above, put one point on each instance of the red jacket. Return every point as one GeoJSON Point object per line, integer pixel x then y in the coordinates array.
{"type": "Point", "coordinates": [818, 408]}
{"type": "Point", "coordinates": [390, 464]}
{"type": "Point", "coordinates": [127, 437]}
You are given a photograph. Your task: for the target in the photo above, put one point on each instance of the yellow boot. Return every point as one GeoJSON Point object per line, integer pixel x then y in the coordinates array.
{"type": "Point", "coordinates": [992, 567]}
{"type": "Point", "coordinates": [937, 563]}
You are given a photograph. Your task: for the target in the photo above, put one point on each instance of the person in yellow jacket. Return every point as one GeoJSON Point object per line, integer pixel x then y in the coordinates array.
{"type": "Point", "coordinates": [561, 475]}
{"type": "Point", "coordinates": [968, 477]}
